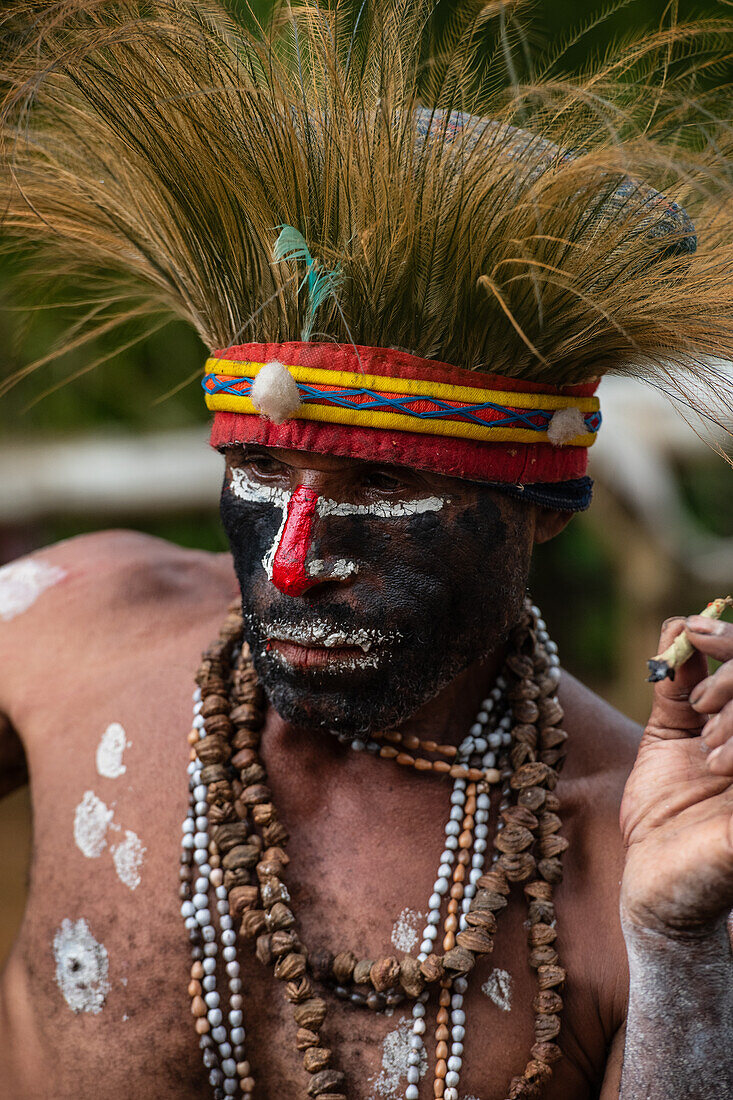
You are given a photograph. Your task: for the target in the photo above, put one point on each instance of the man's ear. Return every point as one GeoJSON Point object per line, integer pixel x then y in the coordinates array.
{"type": "Point", "coordinates": [548, 523]}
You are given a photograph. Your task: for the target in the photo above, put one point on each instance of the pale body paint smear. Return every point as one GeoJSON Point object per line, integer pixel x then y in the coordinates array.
{"type": "Point", "coordinates": [128, 857]}
{"type": "Point", "coordinates": [109, 752]}
{"type": "Point", "coordinates": [321, 633]}
{"type": "Point", "coordinates": [391, 1081]}
{"type": "Point", "coordinates": [498, 988]}
{"type": "Point", "coordinates": [92, 819]}
{"type": "Point", "coordinates": [22, 582]}
{"type": "Point", "coordinates": [338, 570]}
{"type": "Point", "coordinates": [405, 934]}
{"type": "Point", "coordinates": [82, 967]}
{"type": "Point", "coordinates": [244, 489]}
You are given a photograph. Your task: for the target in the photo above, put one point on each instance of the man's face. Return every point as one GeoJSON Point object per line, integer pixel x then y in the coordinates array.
{"type": "Point", "coordinates": [391, 581]}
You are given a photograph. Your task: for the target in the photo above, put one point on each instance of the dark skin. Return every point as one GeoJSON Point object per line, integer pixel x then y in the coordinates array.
{"type": "Point", "coordinates": [446, 620]}
{"type": "Point", "coordinates": [119, 640]}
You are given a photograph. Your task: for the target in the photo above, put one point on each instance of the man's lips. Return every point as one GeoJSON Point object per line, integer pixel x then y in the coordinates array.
{"type": "Point", "coordinates": [311, 655]}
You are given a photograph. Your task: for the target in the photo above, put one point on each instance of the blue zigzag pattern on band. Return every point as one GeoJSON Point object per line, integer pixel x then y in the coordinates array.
{"type": "Point", "coordinates": [344, 398]}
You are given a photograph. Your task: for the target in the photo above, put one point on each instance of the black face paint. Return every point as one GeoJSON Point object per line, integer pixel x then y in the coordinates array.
{"type": "Point", "coordinates": [444, 587]}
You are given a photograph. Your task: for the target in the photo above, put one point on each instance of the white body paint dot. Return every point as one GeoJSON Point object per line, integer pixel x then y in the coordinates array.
{"type": "Point", "coordinates": [22, 582]}
{"type": "Point", "coordinates": [91, 820]}
{"type": "Point", "coordinates": [405, 934]}
{"type": "Point", "coordinates": [129, 856]}
{"type": "Point", "coordinates": [498, 988]}
{"type": "Point", "coordinates": [109, 752]}
{"type": "Point", "coordinates": [82, 967]}
{"type": "Point", "coordinates": [390, 1082]}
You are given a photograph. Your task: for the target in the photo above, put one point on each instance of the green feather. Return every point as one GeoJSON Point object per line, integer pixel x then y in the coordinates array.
{"type": "Point", "coordinates": [322, 283]}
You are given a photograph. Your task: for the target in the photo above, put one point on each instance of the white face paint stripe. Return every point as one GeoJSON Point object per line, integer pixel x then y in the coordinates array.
{"type": "Point", "coordinates": [247, 490]}
{"type": "Point", "coordinates": [381, 509]}
{"type": "Point", "coordinates": [268, 562]}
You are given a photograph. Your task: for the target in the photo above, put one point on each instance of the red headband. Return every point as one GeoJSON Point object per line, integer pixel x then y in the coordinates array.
{"type": "Point", "coordinates": [392, 407]}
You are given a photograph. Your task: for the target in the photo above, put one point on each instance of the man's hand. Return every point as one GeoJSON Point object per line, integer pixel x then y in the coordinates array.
{"type": "Point", "coordinates": [677, 810]}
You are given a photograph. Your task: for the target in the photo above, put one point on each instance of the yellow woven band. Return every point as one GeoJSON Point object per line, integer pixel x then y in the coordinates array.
{"type": "Point", "coordinates": [221, 401]}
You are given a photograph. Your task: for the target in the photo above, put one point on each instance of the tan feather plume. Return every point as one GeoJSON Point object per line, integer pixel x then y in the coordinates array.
{"type": "Point", "coordinates": [151, 149]}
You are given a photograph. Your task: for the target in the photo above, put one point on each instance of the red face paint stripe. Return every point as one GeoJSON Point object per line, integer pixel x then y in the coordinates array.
{"type": "Point", "coordinates": [289, 564]}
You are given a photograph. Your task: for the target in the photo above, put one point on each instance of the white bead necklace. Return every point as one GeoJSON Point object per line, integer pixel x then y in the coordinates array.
{"type": "Point", "coordinates": [487, 740]}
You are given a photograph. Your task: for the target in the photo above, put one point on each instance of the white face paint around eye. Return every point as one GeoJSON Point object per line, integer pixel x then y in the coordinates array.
{"type": "Point", "coordinates": [82, 967]}
{"type": "Point", "coordinates": [22, 582]}
{"type": "Point", "coordinates": [245, 489]}
{"type": "Point", "coordinates": [383, 509]}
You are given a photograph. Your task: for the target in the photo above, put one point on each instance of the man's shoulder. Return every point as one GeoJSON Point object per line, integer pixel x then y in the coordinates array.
{"type": "Point", "coordinates": [91, 564]}
{"type": "Point", "coordinates": [107, 580]}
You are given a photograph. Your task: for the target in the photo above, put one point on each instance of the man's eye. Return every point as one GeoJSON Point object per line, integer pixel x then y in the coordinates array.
{"type": "Point", "coordinates": [382, 481]}
{"type": "Point", "coordinates": [262, 465]}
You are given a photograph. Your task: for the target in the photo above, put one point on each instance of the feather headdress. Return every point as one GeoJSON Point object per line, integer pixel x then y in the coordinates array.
{"type": "Point", "coordinates": [461, 208]}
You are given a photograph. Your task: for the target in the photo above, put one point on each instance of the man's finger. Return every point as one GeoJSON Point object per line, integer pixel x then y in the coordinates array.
{"type": "Point", "coordinates": [720, 760]}
{"type": "Point", "coordinates": [719, 728]}
{"type": "Point", "coordinates": [715, 692]}
{"type": "Point", "coordinates": [711, 636]}
{"type": "Point", "coordinates": [672, 716]}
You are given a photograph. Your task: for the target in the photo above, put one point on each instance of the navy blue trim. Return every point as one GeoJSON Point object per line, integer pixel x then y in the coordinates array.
{"type": "Point", "coordinates": [562, 496]}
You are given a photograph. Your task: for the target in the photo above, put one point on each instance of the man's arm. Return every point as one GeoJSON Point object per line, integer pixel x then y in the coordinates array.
{"type": "Point", "coordinates": [677, 885]}
{"type": "Point", "coordinates": [13, 770]}
{"type": "Point", "coordinates": [679, 1029]}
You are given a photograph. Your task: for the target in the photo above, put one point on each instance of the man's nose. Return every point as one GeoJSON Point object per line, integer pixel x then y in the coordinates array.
{"type": "Point", "coordinates": [294, 570]}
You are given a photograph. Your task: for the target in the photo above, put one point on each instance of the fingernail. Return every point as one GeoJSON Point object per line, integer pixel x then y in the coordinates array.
{"type": "Point", "coordinates": [715, 754]}
{"type": "Point", "coordinates": [696, 694]}
{"type": "Point", "coordinates": [702, 625]}
{"type": "Point", "coordinates": [710, 727]}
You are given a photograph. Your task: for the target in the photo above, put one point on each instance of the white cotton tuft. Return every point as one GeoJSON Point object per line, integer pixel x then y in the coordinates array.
{"type": "Point", "coordinates": [565, 425]}
{"type": "Point", "coordinates": [275, 393]}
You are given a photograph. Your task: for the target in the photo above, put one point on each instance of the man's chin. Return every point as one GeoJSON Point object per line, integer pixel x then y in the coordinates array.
{"type": "Point", "coordinates": [352, 701]}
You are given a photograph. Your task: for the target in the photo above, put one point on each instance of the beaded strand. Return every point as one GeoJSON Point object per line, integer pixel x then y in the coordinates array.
{"type": "Point", "coordinates": [227, 722]}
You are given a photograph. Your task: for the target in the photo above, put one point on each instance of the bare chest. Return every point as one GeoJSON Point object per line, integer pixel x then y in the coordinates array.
{"type": "Point", "coordinates": [97, 987]}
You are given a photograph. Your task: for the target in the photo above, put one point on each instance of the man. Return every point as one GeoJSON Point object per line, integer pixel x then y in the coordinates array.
{"type": "Point", "coordinates": [381, 507]}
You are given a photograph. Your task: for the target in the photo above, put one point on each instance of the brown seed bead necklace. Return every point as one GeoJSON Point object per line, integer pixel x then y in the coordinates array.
{"type": "Point", "coordinates": [233, 864]}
